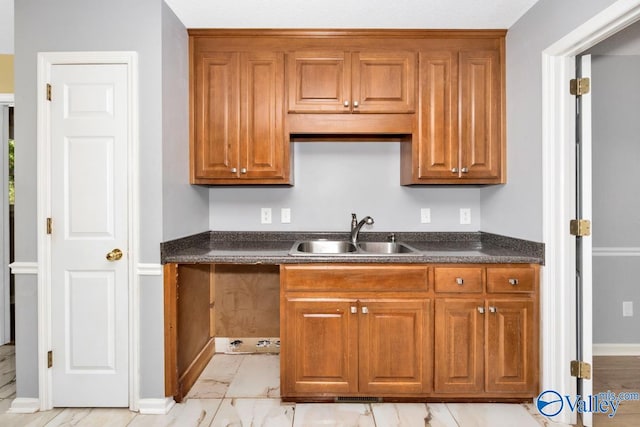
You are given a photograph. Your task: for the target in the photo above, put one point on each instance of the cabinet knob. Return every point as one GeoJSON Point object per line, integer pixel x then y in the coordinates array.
{"type": "Point", "coordinates": [355, 104]}
{"type": "Point", "coordinates": [513, 282]}
{"type": "Point", "coordinates": [365, 310]}
{"type": "Point", "coordinates": [454, 170]}
{"type": "Point", "coordinates": [354, 309]}
{"type": "Point", "coordinates": [481, 310]}
{"type": "Point", "coordinates": [464, 170]}
{"type": "Point", "coordinates": [234, 170]}
{"type": "Point", "coordinates": [243, 170]}
{"type": "Point", "coordinates": [460, 281]}
{"type": "Point", "coordinates": [346, 103]}
{"type": "Point", "coordinates": [493, 309]}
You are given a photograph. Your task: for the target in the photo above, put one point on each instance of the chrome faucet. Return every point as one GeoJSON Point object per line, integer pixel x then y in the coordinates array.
{"type": "Point", "coordinates": [356, 226]}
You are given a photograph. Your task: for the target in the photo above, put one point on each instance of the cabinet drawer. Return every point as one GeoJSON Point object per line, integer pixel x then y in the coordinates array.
{"type": "Point", "coordinates": [333, 277]}
{"type": "Point", "coordinates": [511, 279]}
{"type": "Point", "coordinates": [455, 279]}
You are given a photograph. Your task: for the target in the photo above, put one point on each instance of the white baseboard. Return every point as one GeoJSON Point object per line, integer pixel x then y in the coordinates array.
{"type": "Point", "coordinates": [616, 349]}
{"type": "Point", "coordinates": [24, 405]}
{"type": "Point", "coordinates": [222, 345]}
{"type": "Point", "coordinates": [156, 406]}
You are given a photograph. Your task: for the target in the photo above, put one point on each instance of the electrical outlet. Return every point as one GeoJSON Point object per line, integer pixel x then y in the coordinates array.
{"type": "Point", "coordinates": [425, 215]}
{"type": "Point", "coordinates": [465, 216]}
{"type": "Point", "coordinates": [265, 215]}
{"type": "Point", "coordinates": [627, 308]}
{"type": "Point", "coordinates": [285, 215]}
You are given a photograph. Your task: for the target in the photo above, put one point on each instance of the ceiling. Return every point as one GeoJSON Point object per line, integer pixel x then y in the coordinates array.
{"type": "Point", "coordinates": [433, 14]}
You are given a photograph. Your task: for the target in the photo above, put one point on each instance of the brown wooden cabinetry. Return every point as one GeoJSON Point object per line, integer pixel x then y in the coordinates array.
{"type": "Point", "coordinates": [237, 129]}
{"type": "Point", "coordinates": [461, 119]}
{"type": "Point", "coordinates": [351, 82]}
{"type": "Point", "coordinates": [487, 344]}
{"type": "Point", "coordinates": [340, 338]}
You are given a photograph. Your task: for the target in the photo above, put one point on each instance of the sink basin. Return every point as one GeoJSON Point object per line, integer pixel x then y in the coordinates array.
{"type": "Point", "coordinates": [324, 247]}
{"type": "Point", "coordinates": [344, 247]}
{"type": "Point", "coordinates": [386, 248]}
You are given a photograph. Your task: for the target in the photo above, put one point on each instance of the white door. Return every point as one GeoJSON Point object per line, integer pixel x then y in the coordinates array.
{"type": "Point", "coordinates": [89, 293]}
{"type": "Point", "coordinates": [584, 245]}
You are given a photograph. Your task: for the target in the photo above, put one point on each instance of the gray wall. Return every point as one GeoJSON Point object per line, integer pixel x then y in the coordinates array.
{"type": "Point", "coordinates": [6, 26]}
{"type": "Point", "coordinates": [515, 209]}
{"type": "Point", "coordinates": [333, 179]}
{"type": "Point", "coordinates": [616, 199]}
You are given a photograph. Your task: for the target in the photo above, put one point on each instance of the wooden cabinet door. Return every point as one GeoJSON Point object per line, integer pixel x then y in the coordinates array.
{"type": "Point", "coordinates": [215, 116]}
{"type": "Point", "coordinates": [436, 151]}
{"type": "Point", "coordinates": [480, 115]}
{"type": "Point", "coordinates": [395, 349]}
{"type": "Point", "coordinates": [383, 82]}
{"type": "Point", "coordinates": [319, 82]}
{"type": "Point", "coordinates": [262, 144]}
{"type": "Point", "coordinates": [459, 345]}
{"type": "Point", "coordinates": [320, 344]}
{"type": "Point", "coordinates": [512, 346]}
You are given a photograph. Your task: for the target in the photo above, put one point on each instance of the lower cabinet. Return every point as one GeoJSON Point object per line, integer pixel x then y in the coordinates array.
{"type": "Point", "coordinates": [409, 332]}
{"type": "Point", "coordinates": [351, 342]}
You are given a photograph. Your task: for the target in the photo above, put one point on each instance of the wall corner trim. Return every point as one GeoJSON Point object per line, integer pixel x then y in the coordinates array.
{"type": "Point", "coordinates": [24, 405]}
{"type": "Point", "coordinates": [24, 267]}
{"type": "Point", "coordinates": [156, 406]}
{"type": "Point", "coordinates": [149, 269]}
{"type": "Point", "coordinates": [616, 349]}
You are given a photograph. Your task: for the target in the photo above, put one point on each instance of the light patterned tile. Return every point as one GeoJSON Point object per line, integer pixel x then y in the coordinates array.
{"type": "Point", "coordinates": [38, 419]}
{"type": "Point", "coordinates": [254, 412]}
{"type": "Point", "coordinates": [439, 416]}
{"type": "Point", "coordinates": [335, 415]}
{"type": "Point", "coordinates": [208, 389]}
{"type": "Point", "coordinates": [491, 415]}
{"type": "Point", "coordinates": [92, 417]}
{"type": "Point", "coordinates": [191, 413]}
{"type": "Point", "coordinates": [222, 367]}
{"type": "Point", "coordinates": [258, 377]}
{"type": "Point", "coordinates": [400, 414]}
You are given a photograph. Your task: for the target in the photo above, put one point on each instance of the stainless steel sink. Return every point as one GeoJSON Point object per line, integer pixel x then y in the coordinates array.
{"type": "Point", "coordinates": [323, 247]}
{"type": "Point", "coordinates": [340, 247]}
{"type": "Point", "coordinates": [386, 248]}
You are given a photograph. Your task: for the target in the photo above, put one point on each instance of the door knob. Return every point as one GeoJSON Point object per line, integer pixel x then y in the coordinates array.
{"type": "Point", "coordinates": [114, 255]}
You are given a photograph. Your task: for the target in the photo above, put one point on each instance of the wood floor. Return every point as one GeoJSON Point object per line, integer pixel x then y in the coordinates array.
{"type": "Point", "coordinates": [618, 374]}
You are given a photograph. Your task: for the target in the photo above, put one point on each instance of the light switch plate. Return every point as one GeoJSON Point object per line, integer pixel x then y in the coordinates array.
{"type": "Point", "coordinates": [265, 215]}
{"type": "Point", "coordinates": [465, 216]}
{"type": "Point", "coordinates": [285, 215]}
{"type": "Point", "coordinates": [425, 215]}
{"type": "Point", "coordinates": [627, 308]}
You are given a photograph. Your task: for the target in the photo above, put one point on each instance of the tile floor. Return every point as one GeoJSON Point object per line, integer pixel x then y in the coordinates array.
{"type": "Point", "coordinates": [243, 391]}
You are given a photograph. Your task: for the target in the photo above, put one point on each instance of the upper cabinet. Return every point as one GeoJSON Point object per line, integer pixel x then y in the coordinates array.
{"type": "Point", "coordinates": [237, 128]}
{"type": "Point", "coordinates": [440, 93]}
{"type": "Point", "coordinates": [351, 82]}
{"type": "Point", "coordinates": [460, 137]}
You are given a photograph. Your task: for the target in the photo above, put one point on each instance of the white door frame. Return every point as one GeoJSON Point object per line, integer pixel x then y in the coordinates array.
{"type": "Point", "coordinates": [6, 100]}
{"type": "Point", "coordinates": [45, 61]}
{"type": "Point", "coordinates": [558, 175]}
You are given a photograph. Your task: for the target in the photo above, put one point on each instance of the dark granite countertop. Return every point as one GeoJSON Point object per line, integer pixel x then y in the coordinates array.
{"type": "Point", "coordinates": [251, 247]}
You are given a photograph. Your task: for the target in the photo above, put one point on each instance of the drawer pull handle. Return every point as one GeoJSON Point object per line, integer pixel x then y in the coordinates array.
{"type": "Point", "coordinates": [513, 282]}
{"type": "Point", "coordinates": [493, 309]}
{"type": "Point", "coordinates": [460, 281]}
{"type": "Point", "coordinates": [354, 309]}
{"type": "Point", "coordinates": [481, 310]}
{"type": "Point", "coordinates": [365, 310]}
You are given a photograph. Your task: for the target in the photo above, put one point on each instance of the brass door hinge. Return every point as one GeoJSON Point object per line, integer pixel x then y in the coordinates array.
{"type": "Point", "coordinates": [581, 370]}
{"type": "Point", "coordinates": [580, 227]}
{"type": "Point", "coordinates": [49, 226]}
{"type": "Point", "coordinates": [579, 87]}
{"type": "Point", "coordinates": [48, 92]}
{"type": "Point", "coordinates": [50, 359]}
